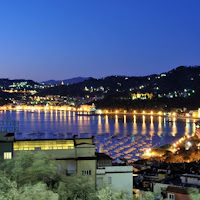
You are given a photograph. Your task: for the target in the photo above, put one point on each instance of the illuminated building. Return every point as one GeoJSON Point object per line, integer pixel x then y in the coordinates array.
{"type": "Point", "coordinates": [142, 96]}
{"type": "Point", "coordinates": [87, 108]}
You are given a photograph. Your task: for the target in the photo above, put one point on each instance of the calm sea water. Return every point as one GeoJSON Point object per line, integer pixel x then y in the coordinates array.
{"type": "Point", "coordinates": [118, 135]}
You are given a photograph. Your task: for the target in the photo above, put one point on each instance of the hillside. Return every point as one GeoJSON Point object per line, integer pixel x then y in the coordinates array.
{"type": "Point", "coordinates": [19, 84]}
{"type": "Point", "coordinates": [175, 80]}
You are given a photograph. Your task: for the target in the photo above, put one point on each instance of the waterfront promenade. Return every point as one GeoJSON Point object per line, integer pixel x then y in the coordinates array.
{"type": "Point", "coordinates": [86, 111]}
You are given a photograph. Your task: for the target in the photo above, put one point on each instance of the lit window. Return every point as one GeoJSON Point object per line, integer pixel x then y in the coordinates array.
{"type": "Point", "coordinates": [7, 155]}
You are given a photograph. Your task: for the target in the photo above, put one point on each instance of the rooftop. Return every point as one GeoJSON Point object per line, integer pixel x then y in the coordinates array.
{"type": "Point", "coordinates": [179, 190]}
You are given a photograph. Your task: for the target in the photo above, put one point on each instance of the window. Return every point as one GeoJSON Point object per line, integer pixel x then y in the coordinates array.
{"type": "Point", "coordinates": [186, 180]}
{"type": "Point", "coordinates": [43, 145]}
{"type": "Point", "coordinates": [99, 181]}
{"type": "Point", "coordinates": [86, 172]}
{"type": "Point", "coordinates": [7, 155]}
{"type": "Point", "coordinates": [109, 180]}
{"type": "Point", "coordinates": [171, 196]}
{"type": "Point", "coordinates": [37, 148]}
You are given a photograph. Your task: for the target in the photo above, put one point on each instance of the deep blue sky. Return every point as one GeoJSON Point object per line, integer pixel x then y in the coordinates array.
{"type": "Point", "coordinates": [59, 39]}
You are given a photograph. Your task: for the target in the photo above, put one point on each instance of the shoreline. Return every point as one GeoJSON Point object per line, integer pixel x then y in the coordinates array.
{"type": "Point", "coordinates": [139, 114]}
{"type": "Point", "coordinates": [88, 113]}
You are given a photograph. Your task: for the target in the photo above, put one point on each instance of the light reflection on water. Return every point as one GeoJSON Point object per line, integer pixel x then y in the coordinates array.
{"type": "Point", "coordinates": [120, 136]}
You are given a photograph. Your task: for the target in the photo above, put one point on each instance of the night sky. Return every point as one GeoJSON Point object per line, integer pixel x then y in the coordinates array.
{"type": "Point", "coordinates": [60, 39]}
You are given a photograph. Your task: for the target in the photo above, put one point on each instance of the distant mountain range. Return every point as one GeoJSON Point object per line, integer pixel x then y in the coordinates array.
{"type": "Point", "coordinates": [66, 81]}
{"type": "Point", "coordinates": [175, 80]}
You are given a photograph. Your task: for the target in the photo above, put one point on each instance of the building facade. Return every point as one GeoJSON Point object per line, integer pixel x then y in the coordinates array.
{"type": "Point", "coordinates": [117, 177]}
{"type": "Point", "coordinates": [177, 193]}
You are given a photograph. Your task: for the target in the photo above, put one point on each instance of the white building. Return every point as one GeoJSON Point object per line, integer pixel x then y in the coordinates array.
{"type": "Point", "coordinates": [190, 179]}
{"type": "Point", "coordinates": [117, 177]}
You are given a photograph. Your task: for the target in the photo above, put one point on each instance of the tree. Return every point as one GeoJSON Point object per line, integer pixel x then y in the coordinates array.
{"type": "Point", "coordinates": [31, 168]}
{"type": "Point", "coordinates": [38, 191]}
{"type": "Point", "coordinates": [147, 196]}
{"type": "Point", "coordinates": [194, 194]}
{"type": "Point", "coordinates": [107, 193]}
{"type": "Point", "coordinates": [9, 190]}
{"type": "Point", "coordinates": [76, 188]}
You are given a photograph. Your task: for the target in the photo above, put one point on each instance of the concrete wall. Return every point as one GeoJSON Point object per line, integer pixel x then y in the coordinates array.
{"type": "Point", "coordinates": [85, 165]}
{"type": "Point", "coordinates": [159, 187]}
{"type": "Point", "coordinates": [85, 150]}
{"type": "Point", "coordinates": [117, 177]}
